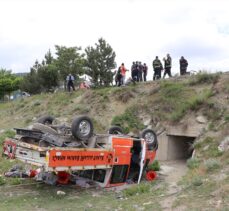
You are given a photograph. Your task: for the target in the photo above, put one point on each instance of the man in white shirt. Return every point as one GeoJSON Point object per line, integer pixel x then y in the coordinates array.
{"type": "Point", "coordinates": [70, 79]}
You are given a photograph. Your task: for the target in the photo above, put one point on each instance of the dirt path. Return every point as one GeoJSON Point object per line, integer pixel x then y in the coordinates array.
{"type": "Point", "coordinates": [172, 172]}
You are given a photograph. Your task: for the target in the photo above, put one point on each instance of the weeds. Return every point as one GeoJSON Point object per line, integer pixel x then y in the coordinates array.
{"type": "Point", "coordinates": [155, 166]}
{"type": "Point", "coordinates": [128, 120]}
{"type": "Point", "coordinates": [211, 150]}
{"type": "Point", "coordinates": [197, 181]}
{"type": "Point", "coordinates": [178, 98]}
{"type": "Point", "coordinates": [204, 77]}
{"type": "Point", "coordinates": [211, 164]}
{"type": "Point", "coordinates": [193, 163]}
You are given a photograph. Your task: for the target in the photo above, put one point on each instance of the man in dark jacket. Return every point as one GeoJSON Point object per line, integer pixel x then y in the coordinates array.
{"type": "Point", "coordinates": [157, 67]}
{"type": "Point", "coordinates": [134, 71]}
{"type": "Point", "coordinates": [167, 66]}
{"type": "Point", "coordinates": [140, 71]}
{"type": "Point", "coordinates": [183, 66]}
{"type": "Point", "coordinates": [145, 70]}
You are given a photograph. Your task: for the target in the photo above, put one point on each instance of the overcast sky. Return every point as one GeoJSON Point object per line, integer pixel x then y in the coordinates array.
{"type": "Point", "coordinates": [135, 29]}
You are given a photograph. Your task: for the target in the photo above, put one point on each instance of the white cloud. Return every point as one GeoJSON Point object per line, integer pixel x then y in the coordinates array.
{"type": "Point", "coordinates": [137, 30]}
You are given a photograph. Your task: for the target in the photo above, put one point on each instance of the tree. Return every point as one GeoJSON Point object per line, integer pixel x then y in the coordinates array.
{"type": "Point", "coordinates": [8, 82]}
{"type": "Point", "coordinates": [42, 77]}
{"type": "Point", "coordinates": [69, 60]}
{"type": "Point", "coordinates": [31, 82]}
{"type": "Point", "coordinates": [100, 60]}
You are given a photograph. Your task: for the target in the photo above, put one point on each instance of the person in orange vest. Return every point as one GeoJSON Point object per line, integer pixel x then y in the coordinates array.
{"type": "Point", "coordinates": [123, 73]}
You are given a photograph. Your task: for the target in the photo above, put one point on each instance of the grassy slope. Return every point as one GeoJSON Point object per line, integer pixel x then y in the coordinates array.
{"type": "Point", "coordinates": [164, 101]}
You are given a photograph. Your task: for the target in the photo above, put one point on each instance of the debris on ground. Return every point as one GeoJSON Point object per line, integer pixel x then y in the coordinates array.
{"type": "Point", "coordinates": [60, 193]}
{"type": "Point", "coordinates": [224, 145]}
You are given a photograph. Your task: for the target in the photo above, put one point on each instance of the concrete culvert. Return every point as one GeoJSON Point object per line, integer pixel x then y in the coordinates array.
{"type": "Point", "coordinates": [180, 147]}
{"type": "Point", "coordinates": [173, 147]}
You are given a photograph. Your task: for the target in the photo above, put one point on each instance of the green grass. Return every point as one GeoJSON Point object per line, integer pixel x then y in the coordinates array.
{"type": "Point", "coordinates": [204, 77]}
{"type": "Point", "coordinates": [44, 197]}
{"type": "Point", "coordinates": [177, 99]}
{"type": "Point", "coordinates": [137, 189]}
{"type": "Point", "coordinates": [129, 120]}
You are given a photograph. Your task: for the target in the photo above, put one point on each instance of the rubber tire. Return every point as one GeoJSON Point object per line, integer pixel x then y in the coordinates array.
{"type": "Point", "coordinates": [44, 128]}
{"type": "Point", "coordinates": [153, 145]}
{"type": "Point", "coordinates": [76, 129]}
{"type": "Point", "coordinates": [115, 130]}
{"type": "Point", "coordinates": [46, 120]}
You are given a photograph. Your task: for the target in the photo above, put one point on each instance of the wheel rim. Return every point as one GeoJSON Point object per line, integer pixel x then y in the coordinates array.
{"type": "Point", "coordinates": [84, 128]}
{"type": "Point", "coordinates": [149, 137]}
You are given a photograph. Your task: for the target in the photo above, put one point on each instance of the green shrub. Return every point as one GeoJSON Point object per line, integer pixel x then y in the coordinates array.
{"type": "Point", "coordinates": [197, 181]}
{"type": "Point", "coordinates": [211, 164]}
{"type": "Point", "coordinates": [193, 163]}
{"type": "Point", "coordinates": [155, 166]}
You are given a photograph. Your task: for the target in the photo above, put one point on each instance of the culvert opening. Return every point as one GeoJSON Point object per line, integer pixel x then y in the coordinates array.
{"type": "Point", "coordinates": [180, 147]}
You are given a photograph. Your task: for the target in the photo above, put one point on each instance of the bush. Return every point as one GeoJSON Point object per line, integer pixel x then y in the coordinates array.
{"type": "Point", "coordinates": [197, 181]}
{"type": "Point", "coordinates": [155, 166]}
{"type": "Point", "coordinates": [211, 164]}
{"type": "Point", "coordinates": [193, 163]}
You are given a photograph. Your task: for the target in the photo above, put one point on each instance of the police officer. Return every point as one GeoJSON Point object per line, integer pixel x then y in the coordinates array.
{"type": "Point", "coordinates": [183, 66]}
{"type": "Point", "coordinates": [157, 67]}
{"type": "Point", "coordinates": [134, 71]}
{"type": "Point", "coordinates": [167, 66]}
{"type": "Point", "coordinates": [140, 71]}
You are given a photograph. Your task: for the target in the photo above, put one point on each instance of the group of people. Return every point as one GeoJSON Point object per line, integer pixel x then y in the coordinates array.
{"type": "Point", "coordinates": [139, 71]}
{"type": "Point", "coordinates": [158, 67]}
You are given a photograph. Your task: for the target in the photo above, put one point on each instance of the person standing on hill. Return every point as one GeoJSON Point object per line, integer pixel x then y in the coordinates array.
{"type": "Point", "coordinates": [70, 82]}
{"type": "Point", "coordinates": [167, 66]}
{"type": "Point", "coordinates": [145, 70]}
{"type": "Point", "coordinates": [123, 73]}
{"type": "Point", "coordinates": [183, 66]}
{"type": "Point", "coordinates": [134, 71]}
{"type": "Point", "coordinates": [140, 71]}
{"type": "Point", "coordinates": [157, 67]}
